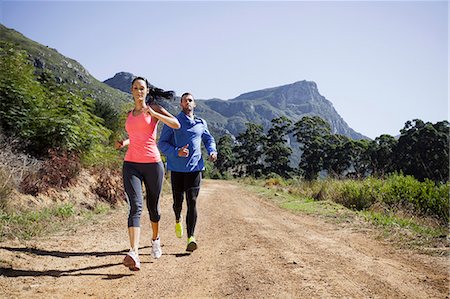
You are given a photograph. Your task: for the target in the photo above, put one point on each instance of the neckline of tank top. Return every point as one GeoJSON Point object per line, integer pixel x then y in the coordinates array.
{"type": "Point", "coordinates": [140, 113]}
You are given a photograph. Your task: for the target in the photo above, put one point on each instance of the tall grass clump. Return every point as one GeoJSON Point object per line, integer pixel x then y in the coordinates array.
{"type": "Point", "coordinates": [5, 188]}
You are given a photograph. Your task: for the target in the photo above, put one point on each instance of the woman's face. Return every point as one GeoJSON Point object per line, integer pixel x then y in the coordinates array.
{"type": "Point", "coordinates": [139, 91]}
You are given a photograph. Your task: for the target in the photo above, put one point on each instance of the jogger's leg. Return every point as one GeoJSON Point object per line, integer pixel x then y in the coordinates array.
{"type": "Point", "coordinates": [191, 215]}
{"type": "Point", "coordinates": [134, 235]}
{"type": "Point", "coordinates": [153, 180]}
{"type": "Point", "coordinates": [192, 180]}
{"type": "Point", "coordinates": [177, 179]}
{"type": "Point", "coordinates": [133, 189]}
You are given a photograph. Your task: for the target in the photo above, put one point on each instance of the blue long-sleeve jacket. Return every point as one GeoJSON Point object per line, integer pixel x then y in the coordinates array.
{"type": "Point", "coordinates": [192, 132]}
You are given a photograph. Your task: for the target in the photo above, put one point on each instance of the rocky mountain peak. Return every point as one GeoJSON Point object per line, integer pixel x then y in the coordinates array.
{"type": "Point", "coordinates": [121, 81]}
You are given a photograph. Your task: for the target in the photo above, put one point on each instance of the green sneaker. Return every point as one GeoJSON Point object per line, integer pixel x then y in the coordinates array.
{"type": "Point", "coordinates": [192, 245]}
{"type": "Point", "coordinates": [179, 229]}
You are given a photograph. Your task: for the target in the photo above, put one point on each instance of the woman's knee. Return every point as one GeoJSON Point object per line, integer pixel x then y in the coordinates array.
{"type": "Point", "coordinates": [155, 216]}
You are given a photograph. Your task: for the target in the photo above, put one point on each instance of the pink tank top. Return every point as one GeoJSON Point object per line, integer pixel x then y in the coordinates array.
{"type": "Point", "coordinates": [141, 131]}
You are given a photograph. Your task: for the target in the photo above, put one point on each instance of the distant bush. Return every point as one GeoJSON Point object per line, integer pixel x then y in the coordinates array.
{"type": "Point", "coordinates": [359, 195]}
{"type": "Point", "coordinates": [109, 186]}
{"type": "Point", "coordinates": [58, 172]}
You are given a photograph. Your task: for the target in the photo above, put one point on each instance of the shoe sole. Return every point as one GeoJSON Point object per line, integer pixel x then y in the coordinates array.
{"type": "Point", "coordinates": [191, 247]}
{"type": "Point", "coordinates": [130, 263]}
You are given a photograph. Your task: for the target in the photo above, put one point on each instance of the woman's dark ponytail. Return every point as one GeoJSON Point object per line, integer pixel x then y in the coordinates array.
{"type": "Point", "coordinates": [155, 93]}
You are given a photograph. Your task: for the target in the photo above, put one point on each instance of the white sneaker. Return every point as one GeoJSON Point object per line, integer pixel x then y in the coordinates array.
{"type": "Point", "coordinates": [131, 261]}
{"type": "Point", "coordinates": [156, 248]}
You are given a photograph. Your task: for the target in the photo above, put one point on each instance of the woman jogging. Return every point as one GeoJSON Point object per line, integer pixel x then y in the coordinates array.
{"type": "Point", "coordinates": [142, 164]}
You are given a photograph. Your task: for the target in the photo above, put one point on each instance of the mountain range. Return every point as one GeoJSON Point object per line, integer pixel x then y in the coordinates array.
{"type": "Point", "coordinates": [223, 116]}
{"type": "Point", "coordinates": [292, 100]}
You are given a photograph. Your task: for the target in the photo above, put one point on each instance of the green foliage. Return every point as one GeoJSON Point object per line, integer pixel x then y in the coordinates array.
{"type": "Point", "coordinates": [43, 114]}
{"type": "Point", "coordinates": [226, 160]}
{"type": "Point", "coordinates": [276, 150]}
{"type": "Point", "coordinates": [381, 151]}
{"type": "Point", "coordinates": [29, 224]}
{"type": "Point", "coordinates": [250, 150]}
{"type": "Point", "coordinates": [359, 195]}
{"type": "Point", "coordinates": [425, 197]}
{"type": "Point", "coordinates": [336, 160]}
{"type": "Point", "coordinates": [311, 132]}
{"type": "Point", "coordinates": [423, 150]}
{"type": "Point", "coordinates": [397, 192]}
{"type": "Point", "coordinates": [19, 91]}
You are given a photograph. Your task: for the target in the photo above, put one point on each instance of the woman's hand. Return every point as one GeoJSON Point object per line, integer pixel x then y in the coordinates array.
{"type": "Point", "coordinates": [148, 110]}
{"type": "Point", "coordinates": [118, 144]}
{"type": "Point", "coordinates": [160, 113]}
{"type": "Point", "coordinates": [121, 143]}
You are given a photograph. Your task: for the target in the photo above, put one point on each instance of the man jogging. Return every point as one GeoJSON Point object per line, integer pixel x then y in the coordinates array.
{"type": "Point", "coordinates": [182, 148]}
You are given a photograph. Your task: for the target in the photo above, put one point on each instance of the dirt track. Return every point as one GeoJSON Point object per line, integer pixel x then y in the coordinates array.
{"type": "Point", "coordinates": [248, 248]}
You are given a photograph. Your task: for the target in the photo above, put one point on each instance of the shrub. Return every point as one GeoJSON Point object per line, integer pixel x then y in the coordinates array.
{"type": "Point", "coordinates": [425, 197]}
{"type": "Point", "coordinates": [357, 195]}
{"type": "Point", "coordinates": [58, 172]}
{"type": "Point", "coordinates": [109, 186]}
{"type": "Point", "coordinates": [274, 179]}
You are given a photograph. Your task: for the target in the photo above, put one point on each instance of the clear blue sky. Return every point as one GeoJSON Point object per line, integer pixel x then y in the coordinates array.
{"type": "Point", "coordinates": [379, 63]}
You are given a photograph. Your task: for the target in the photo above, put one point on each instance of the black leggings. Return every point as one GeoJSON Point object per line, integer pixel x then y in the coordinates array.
{"type": "Point", "coordinates": [189, 183]}
{"type": "Point", "coordinates": [152, 174]}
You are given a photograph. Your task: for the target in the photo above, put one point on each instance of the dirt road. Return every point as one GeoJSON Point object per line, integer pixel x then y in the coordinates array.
{"type": "Point", "coordinates": [248, 248]}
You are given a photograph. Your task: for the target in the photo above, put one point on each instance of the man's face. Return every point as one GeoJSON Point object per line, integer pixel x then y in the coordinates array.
{"type": "Point", "coordinates": [187, 103]}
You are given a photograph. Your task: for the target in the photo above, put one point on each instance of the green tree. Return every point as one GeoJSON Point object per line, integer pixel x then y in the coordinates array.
{"type": "Point", "coordinates": [66, 120]}
{"type": "Point", "coordinates": [277, 150]}
{"type": "Point", "coordinates": [226, 159]}
{"type": "Point", "coordinates": [311, 133]}
{"type": "Point", "coordinates": [423, 150]}
{"type": "Point", "coordinates": [19, 92]}
{"type": "Point", "coordinates": [381, 151]}
{"type": "Point", "coordinates": [358, 157]}
{"type": "Point", "coordinates": [249, 150]}
{"type": "Point", "coordinates": [336, 160]}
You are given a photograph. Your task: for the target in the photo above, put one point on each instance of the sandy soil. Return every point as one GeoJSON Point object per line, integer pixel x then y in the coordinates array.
{"type": "Point", "coordinates": [248, 248]}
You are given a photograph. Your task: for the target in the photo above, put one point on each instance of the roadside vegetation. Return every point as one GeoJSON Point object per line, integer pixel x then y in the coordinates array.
{"type": "Point", "coordinates": [399, 207]}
